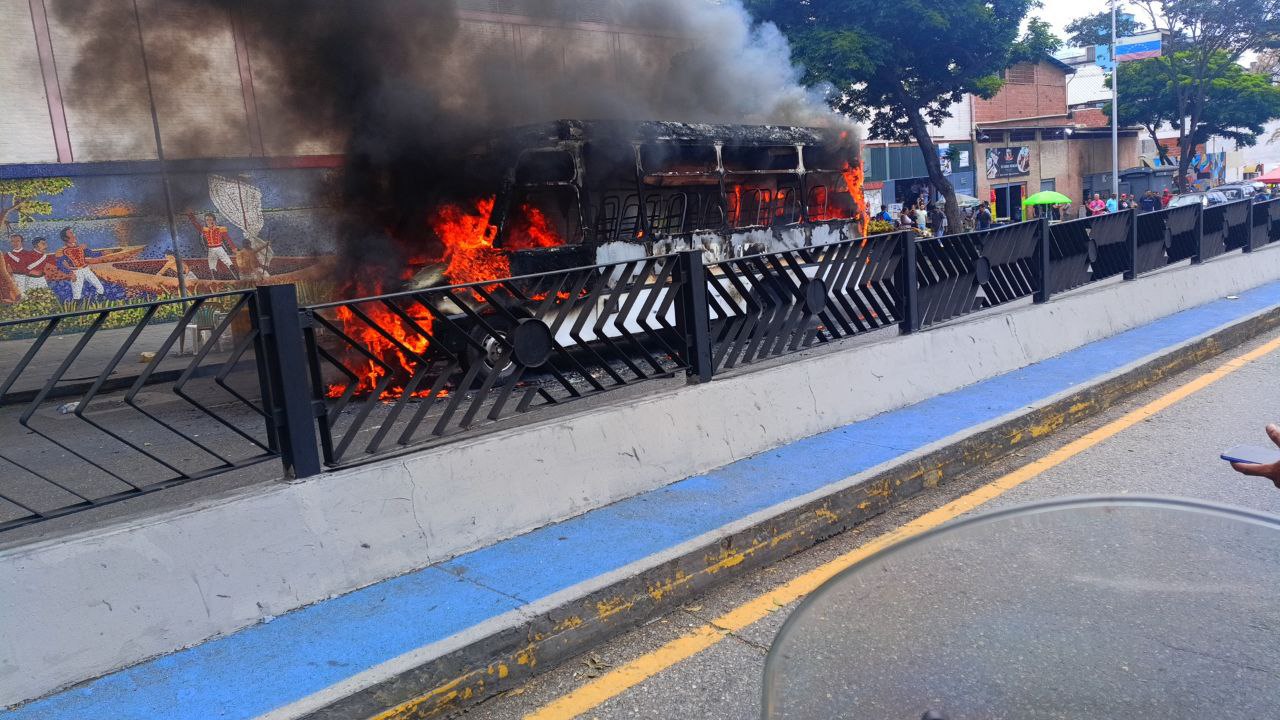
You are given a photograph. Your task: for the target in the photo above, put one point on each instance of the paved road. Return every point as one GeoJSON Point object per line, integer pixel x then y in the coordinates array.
{"type": "Point", "coordinates": [1173, 452]}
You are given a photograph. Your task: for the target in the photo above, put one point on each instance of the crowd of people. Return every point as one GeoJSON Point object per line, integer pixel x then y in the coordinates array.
{"type": "Point", "coordinates": [929, 219]}
{"type": "Point", "coordinates": [924, 217]}
{"type": "Point", "coordinates": [1149, 202]}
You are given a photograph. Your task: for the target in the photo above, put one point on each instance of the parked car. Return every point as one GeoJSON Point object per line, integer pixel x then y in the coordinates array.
{"type": "Point", "coordinates": [1237, 191]}
{"type": "Point", "coordinates": [1212, 197]}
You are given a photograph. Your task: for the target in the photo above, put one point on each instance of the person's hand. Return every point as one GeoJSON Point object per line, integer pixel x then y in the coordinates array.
{"type": "Point", "coordinates": [1270, 472]}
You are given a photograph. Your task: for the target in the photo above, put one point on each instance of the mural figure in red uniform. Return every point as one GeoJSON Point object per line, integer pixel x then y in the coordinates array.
{"type": "Point", "coordinates": [39, 264]}
{"type": "Point", "coordinates": [216, 241]}
{"type": "Point", "coordinates": [15, 260]}
{"type": "Point", "coordinates": [73, 259]}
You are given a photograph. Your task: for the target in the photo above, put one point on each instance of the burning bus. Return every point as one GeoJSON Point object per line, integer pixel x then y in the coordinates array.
{"type": "Point", "coordinates": [579, 193]}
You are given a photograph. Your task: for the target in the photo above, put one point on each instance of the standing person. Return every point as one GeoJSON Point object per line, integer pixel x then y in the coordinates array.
{"type": "Point", "coordinates": [982, 219]}
{"type": "Point", "coordinates": [885, 215]}
{"type": "Point", "coordinates": [1124, 202]}
{"type": "Point", "coordinates": [906, 219]}
{"type": "Point", "coordinates": [1096, 205]}
{"type": "Point", "coordinates": [937, 220]}
{"type": "Point", "coordinates": [216, 241]}
{"type": "Point", "coordinates": [1112, 204]}
{"type": "Point", "coordinates": [1150, 203]}
{"type": "Point", "coordinates": [921, 215]}
{"type": "Point", "coordinates": [15, 260]}
{"type": "Point", "coordinates": [1165, 197]}
{"type": "Point", "coordinates": [73, 259]}
{"type": "Point", "coordinates": [38, 266]}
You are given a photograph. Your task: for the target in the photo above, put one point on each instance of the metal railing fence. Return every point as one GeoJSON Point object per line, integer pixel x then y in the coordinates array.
{"type": "Point", "coordinates": [103, 405]}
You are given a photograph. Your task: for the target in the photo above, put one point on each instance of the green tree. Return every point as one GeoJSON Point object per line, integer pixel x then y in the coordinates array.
{"type": "Point", "coordinates": [900, 66]}
{"type": "Point", "coordinates": [1096, 29]}
{"type": "Point", "coordinates": [1237, 102]}
{"type": "Point", "coordinates": [1201, 64]}
{"type": "Point", "coordinates": [21, 200]}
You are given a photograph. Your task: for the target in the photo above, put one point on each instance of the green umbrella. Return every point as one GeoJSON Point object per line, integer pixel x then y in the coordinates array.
{"type": "Point", "coordinates": [1048, 197]}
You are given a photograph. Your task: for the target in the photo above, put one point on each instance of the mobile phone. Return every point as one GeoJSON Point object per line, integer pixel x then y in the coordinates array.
{"type": "Point", "coordinates": [1252, 455]}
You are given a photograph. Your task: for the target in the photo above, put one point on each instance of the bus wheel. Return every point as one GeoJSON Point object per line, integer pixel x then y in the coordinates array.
{"type": "Point", "coordinates": [508, 344]}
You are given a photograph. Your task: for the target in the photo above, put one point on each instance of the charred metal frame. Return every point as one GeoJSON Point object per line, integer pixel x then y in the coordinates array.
{"type": "Point", "coordinates": [572, 138]}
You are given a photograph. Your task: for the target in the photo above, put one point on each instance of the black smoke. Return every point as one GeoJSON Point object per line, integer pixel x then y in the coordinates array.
{"type": "Point", "coordinates": [410, 86]}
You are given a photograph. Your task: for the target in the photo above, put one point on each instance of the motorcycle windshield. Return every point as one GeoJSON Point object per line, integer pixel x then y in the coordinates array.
{"type": "Point", "coordinates": [1091, 608]}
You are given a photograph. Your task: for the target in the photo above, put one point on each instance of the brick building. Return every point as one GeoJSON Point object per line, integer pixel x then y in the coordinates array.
{"type": "Point", "coordinates": [1028, 139]}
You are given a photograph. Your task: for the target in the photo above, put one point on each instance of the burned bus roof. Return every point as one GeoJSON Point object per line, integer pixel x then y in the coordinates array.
{"type": "Point", "coordinates": [656, 131]}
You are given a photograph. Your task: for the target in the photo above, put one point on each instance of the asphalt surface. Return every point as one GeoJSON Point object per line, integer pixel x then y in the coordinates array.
{"type": "Point", "coordinates": [1173, 453]}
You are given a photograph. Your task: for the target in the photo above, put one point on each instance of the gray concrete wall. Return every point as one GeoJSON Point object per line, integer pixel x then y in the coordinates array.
{"type": "Point", "coordinates": [82, 606]}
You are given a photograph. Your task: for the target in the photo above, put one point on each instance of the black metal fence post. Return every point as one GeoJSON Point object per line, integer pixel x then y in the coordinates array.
{"type": "Point", "coordinates": [908, 285]}
{"type": "Point", "coordinates": [1131, 268]}
{"type": "Point", "coordinates": [1040, 261]}
{"type": "Point", "coordinates": [1199, 256]}
{"type": "Point", "coordinates": [285, 391]}
{"type": "Point", "coordinates": [694, 314]}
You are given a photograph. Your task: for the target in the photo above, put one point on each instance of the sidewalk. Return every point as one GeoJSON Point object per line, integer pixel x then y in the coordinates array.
{"type": "Point", "coordinates": [442, 636]}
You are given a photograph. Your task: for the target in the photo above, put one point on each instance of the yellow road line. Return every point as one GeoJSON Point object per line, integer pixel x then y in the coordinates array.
{"type": "Point", "coordinates": [633, 673]}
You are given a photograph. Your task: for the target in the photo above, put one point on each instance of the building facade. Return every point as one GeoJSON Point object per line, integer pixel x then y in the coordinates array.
{"type": "Point", "coordinates": [1028, 139]}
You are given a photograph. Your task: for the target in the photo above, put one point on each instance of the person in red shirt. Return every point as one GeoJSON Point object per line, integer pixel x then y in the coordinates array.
{"type": "Point", "coordinates": [216, 241]}
{"type": "Point", "coordinates": [1165, 197]}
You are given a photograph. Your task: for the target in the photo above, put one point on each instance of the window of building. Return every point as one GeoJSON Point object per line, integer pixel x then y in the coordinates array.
{"type": "Point", "coordinates": [1018, 136]}
{"type": "Point", "coordinates": [1021, 74]}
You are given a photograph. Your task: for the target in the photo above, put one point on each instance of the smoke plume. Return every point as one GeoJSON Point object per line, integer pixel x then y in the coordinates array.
{"type": "Point", "coordinates": [410, 87]}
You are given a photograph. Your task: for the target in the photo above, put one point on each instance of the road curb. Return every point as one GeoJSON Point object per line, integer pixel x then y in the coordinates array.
{"type": "Point", "coordinates": [554, 631]}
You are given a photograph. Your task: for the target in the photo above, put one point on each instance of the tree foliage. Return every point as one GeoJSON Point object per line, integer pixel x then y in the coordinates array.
{"type": "Point", "coordinates": [900, 66]}
{"type": "Point", "coordinates": [1096, 29]}
{"type": "Point", "coordinates": [1201, 66]}
{"type": "Point", "coordinates": [24, 198]}
{"type": "Point", "coordinates": [1237, 102]}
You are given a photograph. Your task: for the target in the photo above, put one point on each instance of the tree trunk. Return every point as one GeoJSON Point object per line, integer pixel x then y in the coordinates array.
{"type": "Point", "coordinates": [1184, 160]}
{"type": "Point", "coordinates": [8, 286]}
{"type": "Point", "coordinates": [1185, 138]}
{"type": "Point", "coordinates": [920, 129]}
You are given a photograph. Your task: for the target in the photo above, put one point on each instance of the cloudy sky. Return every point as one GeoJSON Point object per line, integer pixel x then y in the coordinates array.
{"type": "Point", "coordinates": [1061, 12]}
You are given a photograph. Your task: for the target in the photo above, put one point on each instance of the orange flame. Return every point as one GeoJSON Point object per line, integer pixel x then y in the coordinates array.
{"type": "Point", "coordinates": [854, 178]}
{"type": "Point", "coordinates": [532, 230]}
{"type": "Point", "coordinates": [469, 255]}
{"type": "Point", "coordinates": [467, 235]}
{"type": "Point", "coordinates": [414, 339]}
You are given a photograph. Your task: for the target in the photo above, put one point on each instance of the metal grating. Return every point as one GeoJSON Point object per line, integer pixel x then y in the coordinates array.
{"type": "Point", "coordinates": [770, 305]}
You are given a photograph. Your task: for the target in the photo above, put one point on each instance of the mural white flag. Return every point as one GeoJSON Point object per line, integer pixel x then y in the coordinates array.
{"type": "Point", "coordinates": [241, 203]}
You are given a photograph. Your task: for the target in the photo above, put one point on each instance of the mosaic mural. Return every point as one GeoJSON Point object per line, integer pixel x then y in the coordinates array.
{"type": "Point", "coordinates": [84, 241]}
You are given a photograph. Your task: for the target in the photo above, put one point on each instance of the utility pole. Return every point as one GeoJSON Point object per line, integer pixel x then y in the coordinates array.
{"type": "Point", "coordinates": [1115, 107]}
{"type": "Point", "coordinates": [178, 263]}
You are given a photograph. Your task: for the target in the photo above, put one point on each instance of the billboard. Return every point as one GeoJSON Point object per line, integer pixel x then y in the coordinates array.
{"type": "Point", "coordinates": [1139, 47]}
{"type": "Point", "coordinates": [1008, 162]}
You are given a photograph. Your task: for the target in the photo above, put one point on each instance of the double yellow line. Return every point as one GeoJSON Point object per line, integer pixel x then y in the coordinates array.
{"type": "Point", "coordinates": [633, 673]}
